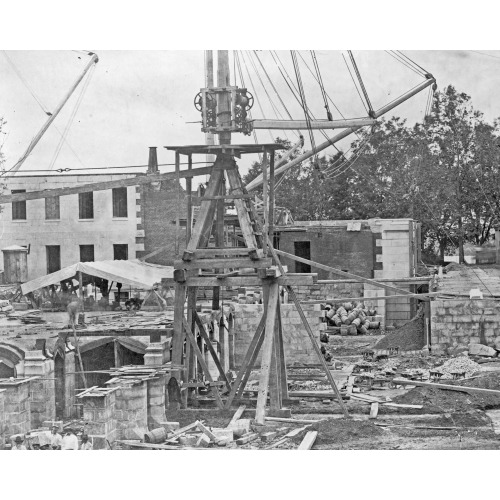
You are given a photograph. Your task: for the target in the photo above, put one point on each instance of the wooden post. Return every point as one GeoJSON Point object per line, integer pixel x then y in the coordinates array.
{"type": "Point", "coordinates": [117, 353]}
{"type": "Point", "coordinates": [267, 351]}
{"type": "Point", "coordinates": [271, 198]}
{"type": "Point", "coordinates": [189, 189]}
{"type": "Point", "coordinates": [178, 201]}
{"type": "Point", "coordinates": [178, 336]}
{"type": "Point", "coordinates": [265, 201]}
{"type": "Point", "coordinates": [190, 362]}
{"type": "Point", "coordinates": [281, 354]}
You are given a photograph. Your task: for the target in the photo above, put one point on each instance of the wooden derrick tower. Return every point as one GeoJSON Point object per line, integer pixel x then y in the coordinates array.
{"type": "Point", "coordinates": [254, 264]}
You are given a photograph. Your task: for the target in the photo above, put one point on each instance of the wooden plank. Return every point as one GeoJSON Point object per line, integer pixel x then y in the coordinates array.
{"type": "Point", "coordinates": [220, 252]}
{"type": "Point", "coordinates": [460, 388]}
{"type": "Point", "coordinates": [178, 337]}
{"type": "Point", "coordinates": [182, 430]}
{"type": "Point", "coordinates": [237, 414]}
{"type": "Point", "coordinates": [201, 360]}
{"type": "Point", "coordinates": [308, 441]}
{"type": "Point", "coordinates": [207, 431]}
{"type": "Point", "coordinates": [291, 293]}
{"type": "Point", "coordinates": [247, 439]}
{"type": "Point", "coordinates": [236, 281]}
{"type": "Point", "coordinates": [313, 124]}
{"type": "Point", "coordinates": [102, 186]}
{"type": "Point", "coordinates": [211, 349]}
{"type": "Point", "coordinates": [267, 350]}
{"type": "Point", "coordinates": [293, 420]}
{"type": "Point", "coordinates": [343, 273]}
{"type": "Point", "coordinates": [234, 263]}
{"type": "Point", "coordinates": [275, 386]}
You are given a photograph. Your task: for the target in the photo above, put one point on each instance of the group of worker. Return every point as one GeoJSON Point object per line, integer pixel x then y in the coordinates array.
{"type": "Point", "coordinates": [57, 442]}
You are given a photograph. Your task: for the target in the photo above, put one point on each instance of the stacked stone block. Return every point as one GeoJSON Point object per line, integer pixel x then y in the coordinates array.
{"type": "Point", "coordinates": [329, 291]}
{"type": "Point", "coordinates": [131, 409]}
{"type": "Point", "coordinates": [297, 344]}
{"type": "Point", "coordinates": [157, 353]}
{"type": "Point", "coordinates": [457, 323]}
{"type": "Point", "coordinates": [99, 415]}
{"type": "Point", "coordinates": [43, 404]}
{"type": "Point", "coordinates": [156, 400]}
{"type": "Point", "coordinates": [16, 406]}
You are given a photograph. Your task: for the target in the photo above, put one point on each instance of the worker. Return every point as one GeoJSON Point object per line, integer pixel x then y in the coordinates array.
{"type": "Point", "coordinates": [86, 445]}
{"type": "Point", "coordinates": [19, 444]}
{"type": "Point", "coordinates": [55, 438]}
{"type": "Point", "coordinates": [69, 441]}
{"type": "Point", "coordinates": [73, 309]}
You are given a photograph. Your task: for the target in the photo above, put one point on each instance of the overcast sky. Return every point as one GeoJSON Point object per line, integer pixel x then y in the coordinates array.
{"type": "Point", "coordinates": [136, 99]}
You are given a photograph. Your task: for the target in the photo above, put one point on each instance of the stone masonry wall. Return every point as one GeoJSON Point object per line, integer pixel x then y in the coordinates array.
{"type": "Point", "coordinates": [457, 323]}
{"type": "Point", "coordinates": [131, 410]}
{"type": "Point", "coordinates": [298, 348]}
{"type": "Point", "coordinates": [156, 400]}
{"type": "Point", "coordinates": [329, 291]}
{"type": "Point", "coordinates": [69, 388]}
{"type": "Point", "coordinates": [16, 406]}
{"type": "Point", "coordinates": [43, 395]}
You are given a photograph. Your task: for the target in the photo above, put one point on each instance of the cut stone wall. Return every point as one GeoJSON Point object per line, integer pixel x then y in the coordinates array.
{"type": "Point", "coordinates": [298, 347]}
{"type": "Point", "coordinates": [69, 388]}
{"type": "Point", "coordinates": [99, 416]}
{"type": "Point", "coordinates": [43, 394]}
{"type": "Point", "coordinates": [458, 322]}
{"type": "Point", "coordinates": [16, 406]}
{"type": "Point", "coordinates": [131, 409]}
{"type": "Point", "coordinates": [329, 291]}
{"type": "Point", "coordinates": [156, 400]}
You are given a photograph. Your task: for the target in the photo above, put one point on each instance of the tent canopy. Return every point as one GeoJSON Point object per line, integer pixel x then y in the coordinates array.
{"type": "Point", "coordinates": [128, 272]}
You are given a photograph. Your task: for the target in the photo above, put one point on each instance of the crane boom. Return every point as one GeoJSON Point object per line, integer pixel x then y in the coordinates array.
{"type": "Point", "coordinates": [94, 59]}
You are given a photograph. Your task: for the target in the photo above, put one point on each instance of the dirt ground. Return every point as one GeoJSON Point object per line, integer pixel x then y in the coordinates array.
{"type": "Point", "coordinates": [409, 337]}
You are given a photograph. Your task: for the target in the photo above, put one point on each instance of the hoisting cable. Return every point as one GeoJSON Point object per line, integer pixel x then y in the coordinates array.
{"type": "Point", "coordinates": [321, 86]}
{"type": "Point", "coordinates": [257, 100]}
{"type": "Point", "coordinates": [273, 106]}
{"type": "Point", "coordinates": [424, 72]}
{"type": "Point", "coordinates": [403, 62]}
{"type": "Point", "coordinates": [371, 113]}
{"type": "Point", "coordinates": [354, 81]}
{"type": "Point", "coordinates": [304, 107]}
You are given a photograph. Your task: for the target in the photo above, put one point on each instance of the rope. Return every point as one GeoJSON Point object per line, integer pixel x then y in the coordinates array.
{"type": "Point", "coordinates": [257, 100]}
{"type": "Point", "coordinates": [353, 81]}
{"type": "Point", "coordinates": [360, 80]}
{"type": "Point", "coordinates": [424, 72]}
{"type": "Point", "coordinates": [321, 86]}
{"type": "Point", "coordinates": [400, 60]}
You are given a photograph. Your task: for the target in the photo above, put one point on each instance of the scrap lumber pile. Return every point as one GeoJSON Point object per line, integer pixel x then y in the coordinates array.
{"type": "Point", "coordinates": [27, 317]}
{"type": "Point", "coordinates": [351, 318]}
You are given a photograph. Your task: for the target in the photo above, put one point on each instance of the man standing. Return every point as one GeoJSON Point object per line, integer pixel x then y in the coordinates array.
{"type": "Point", "coordinates": [55, 438]}
{"type": "Point", "coordinates": [19, 444]}
{"type": "Point", "coordinates": [86, 445]}
{"type": "Point", "coordinates": [69, 441]}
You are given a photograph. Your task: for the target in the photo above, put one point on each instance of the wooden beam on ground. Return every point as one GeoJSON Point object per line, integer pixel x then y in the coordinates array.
{"type": "Point", "coordinates": [102, 186]}
{"type": "Point", "coordinates": [237, 414]}
{"type": "Point", "coordinates": [343, 273]}
{"type": "Point", "coordinates": [448, 387]}
{"type": "Point", "coordinates": [308, 441]}
{"type": "Point", "coordinates": [267, 351]}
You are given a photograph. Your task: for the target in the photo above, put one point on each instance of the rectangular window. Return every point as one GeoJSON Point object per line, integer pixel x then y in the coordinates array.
{"type": "Point", "coordinates": [86, 253]}
{"type": "Point", "coordinates": [18, 207]}
{"type": "Point", "coordinates": [52, 210]}
{"type": "Point", "coordinates": [86, 205]}
{"type": "Point", "coordinates": [302, 249]}
{"type": "Point", "coordinates": [53, 258]}
{"type": "Point", "coordinates": [120, 202]}
{"type": "Point", "coordinates": [120, 252]}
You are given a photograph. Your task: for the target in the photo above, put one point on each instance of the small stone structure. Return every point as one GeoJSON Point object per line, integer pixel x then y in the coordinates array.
{"type": "Point", "coordinates": [298, 346]}
{"type": "Point", "coordinates": [460, 322]}
{"type": "Point", "coordinates": [131, 408]}
{"type": "Point", "coordinates": [17, 414]}
{"type": "Point", "coordinates": [99, 414]}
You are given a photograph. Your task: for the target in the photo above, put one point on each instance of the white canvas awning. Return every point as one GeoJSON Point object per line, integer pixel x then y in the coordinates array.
{"type": "Point", "coordinates": [127, 272]}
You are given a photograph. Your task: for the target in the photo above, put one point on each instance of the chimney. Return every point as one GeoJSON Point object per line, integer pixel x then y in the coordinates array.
{"type": "Point", "coordinates": [153, 161]}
